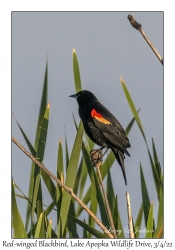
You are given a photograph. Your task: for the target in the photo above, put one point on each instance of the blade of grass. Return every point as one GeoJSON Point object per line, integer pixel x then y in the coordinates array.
{"type": "Point", "coordinates": [42, 109]}
{"type": "Point", "coordinates": [60, 176]}
{"type": "Point", "coordinates": [157, 180]}
{"type": "Point", "coordinates": [59, 190]}
{"type": "Point", "coordinates": [156, 160]}
{"type": "Point", "coordinates": [72, 228]}
{"type": "Point", "coordinates": [75, 123]}
{"type": "Point", "coordinates": [32, 150]}
{"type": "Point", "coordinates": [19, 230]}
{"type": "Point", "coordinates": [160, 209]}
{"type": "Point", "coordinates": [90, 229]}
{"type": "Point", "coordinates": [39, 227]}
{"type": "Point", "coordinates": [49, 230]}
{"type": "Point", "coordinates": [85, 233]}
{"type": "Point", "coordinates": [72, 233]}
{"type": "Point", "coordinates": [67, 153]}
{"type": "Point", "coordinates": [76, 71]}
{"type": "Point", "coordinates": [128, 128]}
{"type": "Point", "coordinates": [71, 175]}
{"type": "Point", "coordinates": [77, 183]}
{"type": "Point", "coordinates": [138, 222]}
{"type": "Point", "coordinates": [83, 162]}
{"type": "Point", "coordinates": [158, 234]}
{"type": "Point", "coordinates": [60, 161]}
{"type": "Point", "coordinates": [149, 227]}
{"type": "Point", "coordinates": [158, 172]}
{"type": "Point", "coordinates": [132, 106]}
{"type": "Point", "coordinates": [24, 196]}
{"type": "Point", "coordinates": [110, 193]}
{"type": "Point", "coordinates": [83, 179]}
{"type": "Point", "coordinates": [49, 208]}
{"type": "Point", "coordinates": [145, 196]}
{"type": "Point", "coordinates": [37, 192]}
{"type": "Point", "coordinates": [118, 222]}
{"type": "Point", "coordinates": [93, 208]}
{"type": "Point", "coordinates": [49, 184]}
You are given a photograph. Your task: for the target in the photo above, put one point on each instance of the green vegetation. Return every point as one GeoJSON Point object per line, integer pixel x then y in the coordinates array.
{"type": "Point", "coordinates": [78, 167]}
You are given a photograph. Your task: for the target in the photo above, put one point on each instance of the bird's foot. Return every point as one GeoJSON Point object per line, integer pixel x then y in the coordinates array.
{"type": "Point", "coordinates": [96, 157]}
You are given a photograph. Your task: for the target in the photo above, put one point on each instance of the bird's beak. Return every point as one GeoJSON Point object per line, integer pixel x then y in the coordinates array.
{"type": "Point", "coordinates": [74, 96]}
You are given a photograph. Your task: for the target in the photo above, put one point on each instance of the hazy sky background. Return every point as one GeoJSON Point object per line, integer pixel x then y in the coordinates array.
{"type": "Point", "coordinates": [107, 47]}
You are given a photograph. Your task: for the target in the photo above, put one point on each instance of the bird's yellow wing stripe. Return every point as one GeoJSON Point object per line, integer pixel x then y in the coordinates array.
{"type": "Point", "coordinates": [99, 117]}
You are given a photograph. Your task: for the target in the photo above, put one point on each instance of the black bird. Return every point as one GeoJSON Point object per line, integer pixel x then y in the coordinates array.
{"type": "Point", "coordinates": [102, 127]}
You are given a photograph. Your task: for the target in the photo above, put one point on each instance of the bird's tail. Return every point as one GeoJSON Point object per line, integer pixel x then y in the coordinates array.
{"type": "Point", "coordinates": [120, 158]}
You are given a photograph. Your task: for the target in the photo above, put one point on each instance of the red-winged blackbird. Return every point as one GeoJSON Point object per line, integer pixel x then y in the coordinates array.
{"type": "Point", "coordinates": [102, 127]}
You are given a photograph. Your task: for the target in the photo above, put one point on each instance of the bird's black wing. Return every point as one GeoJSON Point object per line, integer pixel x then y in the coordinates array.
{"type": "Point", "coordinates": [110, 127]}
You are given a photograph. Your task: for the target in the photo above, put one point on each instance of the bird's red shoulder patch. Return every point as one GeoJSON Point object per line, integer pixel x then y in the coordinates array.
{"type": "Point", "coordinates": [99, 117]}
